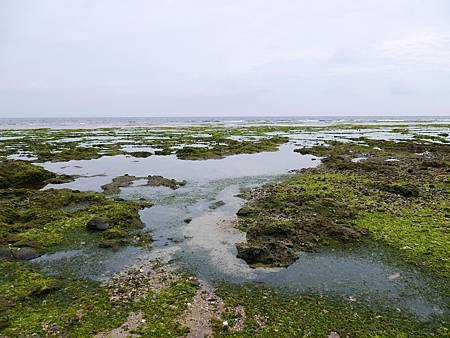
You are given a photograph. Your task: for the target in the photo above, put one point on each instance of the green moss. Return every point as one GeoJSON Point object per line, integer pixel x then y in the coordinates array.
{"type": "Point", "coordinates": [276, 314]}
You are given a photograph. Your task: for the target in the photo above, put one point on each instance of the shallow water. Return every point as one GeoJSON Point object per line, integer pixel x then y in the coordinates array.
{"type": "Point", "coordinates": [261, 164]}
{"type": "Point", "coordinates": [206, 246]}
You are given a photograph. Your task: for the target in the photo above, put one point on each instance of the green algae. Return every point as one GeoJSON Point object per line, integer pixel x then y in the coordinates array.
{"type": "Point", "coordinates": [217, 140]}
{"type": "Point", "coordinates": [270, 313]}
{"type": "Point", "coordinates": [152, 181]}
{"type": "Point", "coordinates": [226, 147]}
{"type": "Point", "coordinates": [403, 204]}
{"type": "Point", "coordinates": [303, 213]}
{"type": "Point", "coordinates": [159, 181]}
{"type": "Point", "coordinates": [163, 309]}
{"type": "Point", "coordinates": [355, 191]}
{"type": "Point", "coordinates": [216, 204]}
{"type": "Point", "coordinates": [33, 303]}
{"type": "Point", "coordinates": [22, 174]}
{"type": "Point", "coordinates": [78, 307]}
{"type": "Point", "coordinates": [41, 219]}
{"type": "Point", "coordinates": [117, 183]}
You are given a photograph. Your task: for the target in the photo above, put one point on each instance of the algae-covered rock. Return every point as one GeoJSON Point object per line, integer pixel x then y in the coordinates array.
{"type": "Point", "coordinates": [159, 181]}
{"type": "Point", "coordinates": [26, 253]}
{"type": "Point", "coordinates": [97, 223]}
{"type": "Point", "coordinates": [216, 205]}
{"type": "Point", "coordinates": [42, 219]}
{"type": "Point", "coordinates": [247, 210]}
{"type": "Point", "coordinates": [403, 204]}
{"type": "Point", "coordinates": [23, 174]}
{"type": "Point", "coordinates": [117, 183]}
{"type": "Point", "coordinates": [271, 253]}
{"type": "Point", "coordinates": [152, 181]}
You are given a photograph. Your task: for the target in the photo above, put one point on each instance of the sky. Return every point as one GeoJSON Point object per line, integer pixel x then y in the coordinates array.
{"type": "Point", "coordinates": [89, 58]}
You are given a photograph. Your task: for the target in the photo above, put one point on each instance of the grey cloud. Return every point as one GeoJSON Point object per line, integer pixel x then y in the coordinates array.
{"type": "Point", "coordinates": [84, 58]}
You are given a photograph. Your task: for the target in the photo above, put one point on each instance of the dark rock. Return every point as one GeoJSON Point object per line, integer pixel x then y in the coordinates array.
{"type": "Point", "coordinates": [187, 220]}
{"type": "Point", "coordinates": [5, 253]}
{"type": "Point", "coordinates": [97, 224]}
{"type": "Point", "coordinates": [247, 211]}
{"type": "Point", "coordinates": [252, 254]}
{"type": "Point", "coordinates": [26, 253]}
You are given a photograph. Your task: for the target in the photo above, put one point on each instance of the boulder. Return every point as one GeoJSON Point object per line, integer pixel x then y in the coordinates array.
{"type": "Point", "coordinates": [97, 224]}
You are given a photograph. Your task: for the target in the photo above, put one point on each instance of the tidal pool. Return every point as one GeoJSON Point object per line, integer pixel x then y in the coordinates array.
{"type": "Point", "coordinates": [206, 245]}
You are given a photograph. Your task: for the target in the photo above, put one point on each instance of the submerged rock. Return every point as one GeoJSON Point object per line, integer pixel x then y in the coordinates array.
{"type": "Point", "coordinates": [270, 254]}
{"type": "Point", "coordinates": [159, 181]}
{"type": "Point", "coordinates": [97, 223]}
{"type": "Point", "coordinates": [216, 204]}
{"type": "Point", "coordinates": [117, 183]}
{"type": "Point", "coordinates": [26, 253]}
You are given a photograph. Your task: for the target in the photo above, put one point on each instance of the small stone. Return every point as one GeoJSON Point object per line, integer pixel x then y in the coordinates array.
{"type": "Point", "coordinates": [26, 253]}
{"type": "Point", "coordinates": [225, 325]}
{"type": "Point", "coordinates": [97, 224]}
{"type": "Point", "coordinates": [334, 335]}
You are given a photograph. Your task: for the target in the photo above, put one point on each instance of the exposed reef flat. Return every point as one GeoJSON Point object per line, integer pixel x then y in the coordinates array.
{"type": "Point", "coordinates": [160, 262]}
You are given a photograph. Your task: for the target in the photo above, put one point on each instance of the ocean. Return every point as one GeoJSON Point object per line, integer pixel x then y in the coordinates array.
{"type": "Point", "coordinates": [105, 122]}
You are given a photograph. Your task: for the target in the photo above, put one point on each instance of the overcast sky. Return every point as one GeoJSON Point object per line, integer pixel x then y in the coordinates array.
{"type": "Point", "coordinates": [230, 57]}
